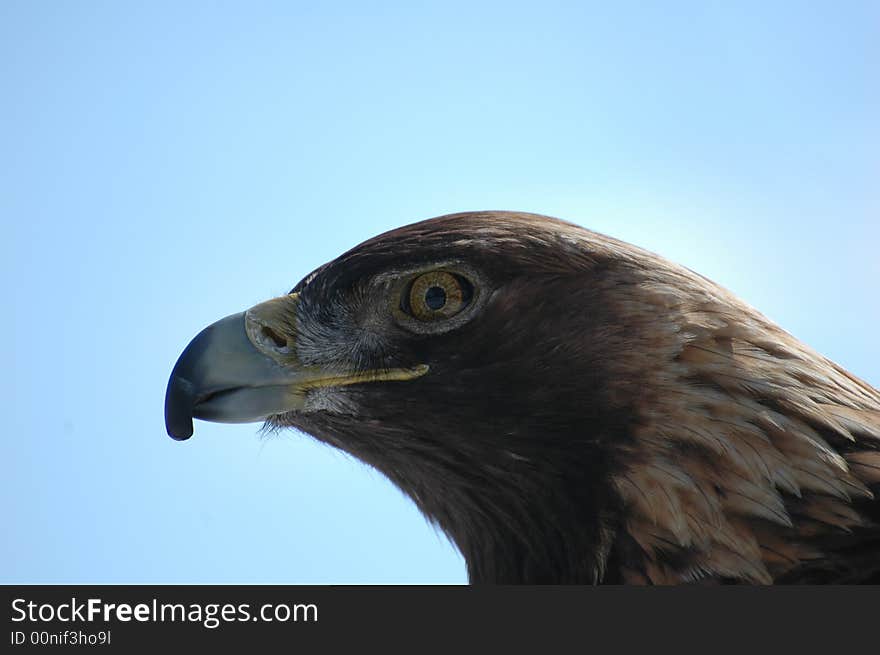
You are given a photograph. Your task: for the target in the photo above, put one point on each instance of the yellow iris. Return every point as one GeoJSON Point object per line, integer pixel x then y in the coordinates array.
{"type": "Point", "coordinates": [437, 295]}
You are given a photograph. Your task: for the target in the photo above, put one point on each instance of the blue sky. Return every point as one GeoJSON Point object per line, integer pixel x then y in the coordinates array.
{"type": "Point", "coordinates": [166, 164]}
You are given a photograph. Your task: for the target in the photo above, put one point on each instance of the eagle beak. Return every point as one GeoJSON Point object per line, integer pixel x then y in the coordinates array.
{"type": "Point", "coordinates": [237, 370]}
{"type": "Point", "coordinates": [244, 368]}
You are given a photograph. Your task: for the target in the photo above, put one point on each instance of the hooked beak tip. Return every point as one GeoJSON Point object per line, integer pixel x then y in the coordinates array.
{"type": "Point", "coordinates": [179, 402]}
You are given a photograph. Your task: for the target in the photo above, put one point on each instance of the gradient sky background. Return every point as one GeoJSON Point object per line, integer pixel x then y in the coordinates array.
{"type": "Point", "coordinates": [165, 164]}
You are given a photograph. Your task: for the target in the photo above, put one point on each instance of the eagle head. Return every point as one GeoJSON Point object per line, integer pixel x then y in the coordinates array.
{"type": "Point", "coordinates": [565, 406]}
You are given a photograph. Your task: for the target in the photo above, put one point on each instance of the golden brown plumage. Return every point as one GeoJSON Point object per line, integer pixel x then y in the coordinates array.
{"type": "Point", "coordinates": [754, 456]}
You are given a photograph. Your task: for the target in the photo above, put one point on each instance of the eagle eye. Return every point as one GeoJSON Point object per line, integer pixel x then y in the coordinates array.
{"type": "Point", "coordinates": [436, 295]}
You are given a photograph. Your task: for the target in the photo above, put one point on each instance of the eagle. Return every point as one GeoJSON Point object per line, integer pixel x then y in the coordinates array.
{"type": "Point", "coordinates": [568, 408]}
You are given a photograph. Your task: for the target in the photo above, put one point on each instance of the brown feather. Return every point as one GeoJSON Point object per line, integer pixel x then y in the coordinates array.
{"type": "Point", "coordinates": [762, 424]}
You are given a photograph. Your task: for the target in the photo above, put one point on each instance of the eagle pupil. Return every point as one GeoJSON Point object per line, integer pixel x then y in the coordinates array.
{"type": "Point", "coordinates": [435, 298]}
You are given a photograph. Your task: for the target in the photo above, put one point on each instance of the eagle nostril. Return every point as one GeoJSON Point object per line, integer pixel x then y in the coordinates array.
{"type": "Point", "coordinates": [269, 333]}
